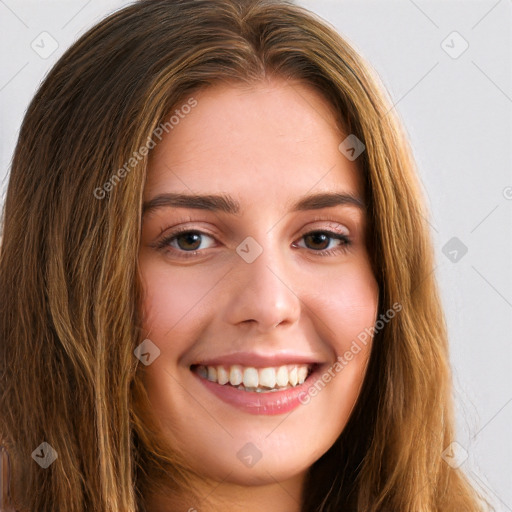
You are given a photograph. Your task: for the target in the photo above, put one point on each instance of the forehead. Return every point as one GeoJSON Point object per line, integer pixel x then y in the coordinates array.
{"type": "Point", "coordinates": [268, 143]}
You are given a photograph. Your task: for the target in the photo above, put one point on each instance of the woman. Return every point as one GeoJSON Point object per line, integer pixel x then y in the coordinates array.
{"type": "Point", "coordinates": [258, 372]}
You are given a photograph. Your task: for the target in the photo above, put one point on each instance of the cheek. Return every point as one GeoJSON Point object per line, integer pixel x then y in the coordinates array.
{"type": "Point", "coordinates": [348, 304]}
{"type": "Point", "coordinates": [172, 299]}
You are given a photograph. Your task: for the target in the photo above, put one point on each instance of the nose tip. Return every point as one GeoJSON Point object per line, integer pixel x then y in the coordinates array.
{"type": "Point", "coordinates": [263, 295]}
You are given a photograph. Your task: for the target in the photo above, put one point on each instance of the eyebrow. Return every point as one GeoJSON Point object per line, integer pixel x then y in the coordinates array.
{"type": "Point", "coordinates": [225, 203]}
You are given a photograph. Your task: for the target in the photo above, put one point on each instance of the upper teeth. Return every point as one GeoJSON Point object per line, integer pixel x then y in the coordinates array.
{"type": "Point", "coordinates": [250, 377]}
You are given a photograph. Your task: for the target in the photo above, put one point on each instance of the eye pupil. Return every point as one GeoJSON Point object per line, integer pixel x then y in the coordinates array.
{"type": "Point", "coordinates": [317, 236]}
{"type": "Point", "coordinates": [188, 237]}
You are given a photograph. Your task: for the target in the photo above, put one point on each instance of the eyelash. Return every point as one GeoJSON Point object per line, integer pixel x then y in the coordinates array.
{"type": "Point", "coordinates": [163, 244]}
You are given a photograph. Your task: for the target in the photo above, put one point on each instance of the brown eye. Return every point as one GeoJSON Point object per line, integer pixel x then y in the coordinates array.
{"type": "Point", "coordinates": [184, 242]}
{"type": "Point", "coordinates": [318, 238]}
{"type": "Point", "coordinates": [191, 241]}
{"type": "Point", "coordinates": [318, 241]}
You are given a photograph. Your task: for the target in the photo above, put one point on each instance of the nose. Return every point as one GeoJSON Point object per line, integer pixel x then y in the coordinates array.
{"type": "Point", "coordinates": [262, 294]}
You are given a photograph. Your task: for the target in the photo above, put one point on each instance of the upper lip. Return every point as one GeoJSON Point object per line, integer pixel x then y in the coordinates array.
{"type": "Point", "coordinates": [259, 360]}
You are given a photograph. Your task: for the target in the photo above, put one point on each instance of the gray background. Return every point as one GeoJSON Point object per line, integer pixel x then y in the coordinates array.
{"type": "Point", "coordinates": [457, 110]}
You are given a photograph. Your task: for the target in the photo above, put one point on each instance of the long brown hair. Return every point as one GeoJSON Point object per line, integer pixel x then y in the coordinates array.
{"type": "Point", "coordinates": [70, 302]}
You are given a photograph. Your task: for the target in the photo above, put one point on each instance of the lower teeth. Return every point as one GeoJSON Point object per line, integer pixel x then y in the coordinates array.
{"type": "Point", "coordinates": [241, 387]}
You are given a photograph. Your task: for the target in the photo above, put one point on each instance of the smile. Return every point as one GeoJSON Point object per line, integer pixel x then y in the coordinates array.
{"type": "Point", "coordinates": [263, 390]}
{"type": "Point", "coordinates": [260, 380]}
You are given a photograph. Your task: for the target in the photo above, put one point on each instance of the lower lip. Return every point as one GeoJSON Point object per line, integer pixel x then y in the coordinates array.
{"type": "Point", "coordinates": [269, 403]}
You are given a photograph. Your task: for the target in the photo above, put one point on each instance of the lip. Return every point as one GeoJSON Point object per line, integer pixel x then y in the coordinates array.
{"type": "Point", "coordinates": [258, 360]}
{"type": "Point", "coordinates": [270, 403]}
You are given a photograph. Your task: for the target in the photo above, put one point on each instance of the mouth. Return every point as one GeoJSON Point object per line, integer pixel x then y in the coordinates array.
{"type": "Point", "coordinates": [259, 380]}
{"type": "Point", "coordinates": [263, 390]}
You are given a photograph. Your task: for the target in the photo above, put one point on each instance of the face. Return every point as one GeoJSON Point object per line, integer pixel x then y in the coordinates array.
{"type": "Point", "coordinates": [251, 298]}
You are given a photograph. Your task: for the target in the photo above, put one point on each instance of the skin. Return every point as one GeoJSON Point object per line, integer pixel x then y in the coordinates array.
{"type": "Point", "coordinates": [267, 146]}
